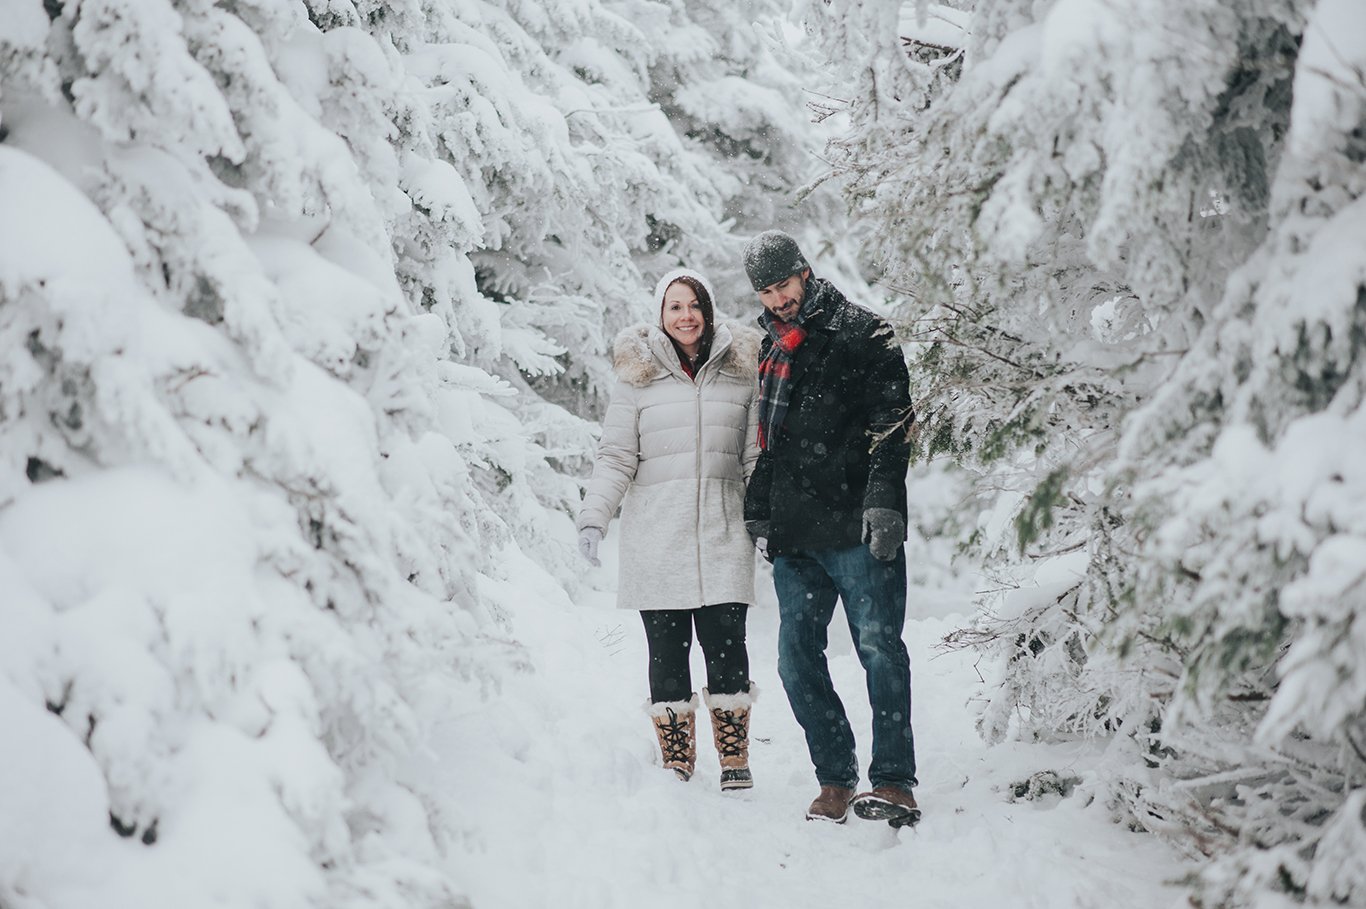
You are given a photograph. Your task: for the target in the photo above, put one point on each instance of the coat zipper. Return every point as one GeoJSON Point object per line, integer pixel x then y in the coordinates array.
{"type": "Point", "coordinates": [701, 584]}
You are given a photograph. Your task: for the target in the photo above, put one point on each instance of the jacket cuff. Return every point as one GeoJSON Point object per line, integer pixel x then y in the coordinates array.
{"type": "Point", "coordinates": [879, 496]}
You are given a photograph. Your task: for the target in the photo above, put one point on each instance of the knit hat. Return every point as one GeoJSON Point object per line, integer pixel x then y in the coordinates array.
{"type": "Point", "coordinates": [772, 256]}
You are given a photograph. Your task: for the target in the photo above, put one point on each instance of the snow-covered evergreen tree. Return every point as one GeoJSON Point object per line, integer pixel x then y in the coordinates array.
{"type": "Point", "coordinates": [728, 81]}
{"type": "Point", "coordinates": [1251, 555]}
{"type": "Point", "coordinates": [694, 122]}
{"type": "Point", "coordinates": [1135, 284]}
{"type": "Point", "coordinates": [283, 287]}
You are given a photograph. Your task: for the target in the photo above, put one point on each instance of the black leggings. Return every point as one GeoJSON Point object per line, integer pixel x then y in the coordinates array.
{"type": "Point", "coordinates": [720, 631]}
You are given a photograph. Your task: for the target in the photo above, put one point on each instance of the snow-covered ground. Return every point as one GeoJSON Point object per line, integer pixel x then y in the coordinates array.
{"type": "Point", "coordinates": [556, 786]}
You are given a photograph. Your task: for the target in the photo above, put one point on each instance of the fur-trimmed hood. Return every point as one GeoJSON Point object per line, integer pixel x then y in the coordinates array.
{"type": "Point", "coordinates": [637, 352]}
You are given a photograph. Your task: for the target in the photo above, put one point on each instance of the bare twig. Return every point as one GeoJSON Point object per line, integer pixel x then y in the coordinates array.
{"type": "Point", "coordinates": [1058, 552]}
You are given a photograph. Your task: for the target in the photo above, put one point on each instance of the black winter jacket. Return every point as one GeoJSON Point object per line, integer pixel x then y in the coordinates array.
{"type": "Point", "coordinates": [849, 382]}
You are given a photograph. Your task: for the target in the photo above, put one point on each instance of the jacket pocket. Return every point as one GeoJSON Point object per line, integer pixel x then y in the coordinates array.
{"type": "Point", "coordinates": [819, 473]}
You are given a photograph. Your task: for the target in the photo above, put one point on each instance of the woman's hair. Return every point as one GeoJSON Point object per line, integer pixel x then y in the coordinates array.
{"type": "Point", "coordinates": [708, 314]}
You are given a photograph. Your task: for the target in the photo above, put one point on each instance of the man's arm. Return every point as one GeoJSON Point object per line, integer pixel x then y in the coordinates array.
{"type": "Point", "coordinates": [889, 419]}
{"type": "Point", "coordinates": [758, 505]}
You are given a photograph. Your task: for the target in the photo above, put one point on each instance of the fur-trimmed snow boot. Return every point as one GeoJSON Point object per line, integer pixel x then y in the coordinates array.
{"type": "Point", "coordinates": [676, 726]}
{"type": "Point", "coordinates": [730, 728]}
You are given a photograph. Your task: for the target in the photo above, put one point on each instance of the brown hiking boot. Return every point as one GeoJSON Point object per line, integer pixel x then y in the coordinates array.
{"type": "Point", "coordinates": [888, 803]}
{"type": "Point", "coordinates": [675, 724]}
{"type": "Point", "coordinates": [831, 805]}
{"type": "Point", "coordinates": [730, 728]}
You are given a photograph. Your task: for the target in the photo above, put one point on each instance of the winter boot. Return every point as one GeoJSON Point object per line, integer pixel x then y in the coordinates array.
{"type": "Point", "coordinates": [730, 727]}
{"type": "Point", "coordinates": [675, 724]}
{"type": "Point", "coordinates": [888, 803]}
{"type": "Point", "coordinates": [831, 805]}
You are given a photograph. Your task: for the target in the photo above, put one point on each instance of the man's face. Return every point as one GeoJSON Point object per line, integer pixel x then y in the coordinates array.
{"type": "Point", "coordinates": [784, 299]}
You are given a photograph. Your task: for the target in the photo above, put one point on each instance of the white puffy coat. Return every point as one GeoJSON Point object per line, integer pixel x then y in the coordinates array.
{"type": "Point", "coordinates": [679, 451]}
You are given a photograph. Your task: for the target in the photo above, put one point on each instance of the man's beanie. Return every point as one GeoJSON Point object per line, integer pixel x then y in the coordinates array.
{"type": "Point", "coordinates": [772, 256]}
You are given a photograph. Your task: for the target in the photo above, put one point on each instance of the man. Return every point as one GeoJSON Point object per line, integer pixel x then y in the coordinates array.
{"type": "Point", "coordinates": [827, 505]}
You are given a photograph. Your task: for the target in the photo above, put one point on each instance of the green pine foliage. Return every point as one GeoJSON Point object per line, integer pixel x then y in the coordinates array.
{"type": "Point", "coordinates": [1124, 244]}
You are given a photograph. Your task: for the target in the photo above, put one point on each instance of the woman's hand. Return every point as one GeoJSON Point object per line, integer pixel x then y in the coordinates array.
{"type": "Point", "coordinates": [589, 538]}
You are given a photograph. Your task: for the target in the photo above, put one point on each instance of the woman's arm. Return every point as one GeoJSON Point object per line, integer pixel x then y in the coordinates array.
{"type": "Point", "coordinates": [618, 457]}
{"type": "Point", "coordinates": [750, 456]}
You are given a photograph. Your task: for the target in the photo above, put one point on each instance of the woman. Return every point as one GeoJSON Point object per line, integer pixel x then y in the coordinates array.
{"type": "Point", "coordinates": [678, 443]}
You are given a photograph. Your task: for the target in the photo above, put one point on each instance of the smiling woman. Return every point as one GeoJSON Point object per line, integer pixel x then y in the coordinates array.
{"type": "Point", "coordinates": [679, 442]}
{"type": "Point", "coordinates": [689, 319]}
{"type": "Point", "coordinates": [683, 319]}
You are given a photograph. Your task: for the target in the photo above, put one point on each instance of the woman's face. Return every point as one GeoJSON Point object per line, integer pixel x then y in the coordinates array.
{"type": "Point", "coordinates": [683, 318]}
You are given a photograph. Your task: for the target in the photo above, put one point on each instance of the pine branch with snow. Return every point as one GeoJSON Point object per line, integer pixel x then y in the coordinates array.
{"type": "Point", "coordinates": [1125, 228]}
{"type": "Point", "coordinates": [281, 290]}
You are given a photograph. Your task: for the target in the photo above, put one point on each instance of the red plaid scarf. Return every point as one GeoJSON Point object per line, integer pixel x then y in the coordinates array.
{"type": "Point", "coordinates": [775, 373]}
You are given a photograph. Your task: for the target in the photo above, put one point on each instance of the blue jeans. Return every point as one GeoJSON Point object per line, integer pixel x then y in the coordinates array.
{"type": "Point", "coordinates": [874, 595]}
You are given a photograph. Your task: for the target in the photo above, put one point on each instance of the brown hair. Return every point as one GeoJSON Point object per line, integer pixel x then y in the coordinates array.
{"type": "Point", "coordinates": [708, 315]}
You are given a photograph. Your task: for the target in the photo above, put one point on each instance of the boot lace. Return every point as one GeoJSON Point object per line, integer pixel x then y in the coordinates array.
{"type": "Point", "coordinates": [674, 735]}
{"type": "Point", "coordinates": [730, 732]}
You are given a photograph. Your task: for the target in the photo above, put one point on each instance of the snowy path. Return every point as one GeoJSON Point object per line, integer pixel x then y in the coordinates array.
{"type": "Point", "coordinates": [571, 809]}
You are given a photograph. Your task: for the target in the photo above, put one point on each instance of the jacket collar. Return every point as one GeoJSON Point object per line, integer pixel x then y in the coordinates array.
{"type": "Point", "coordinates": [667, 356]}
{"type": "Point", "coordinates": [643, 353]}
{"type": "Point", "coordinates": [825, 301]}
